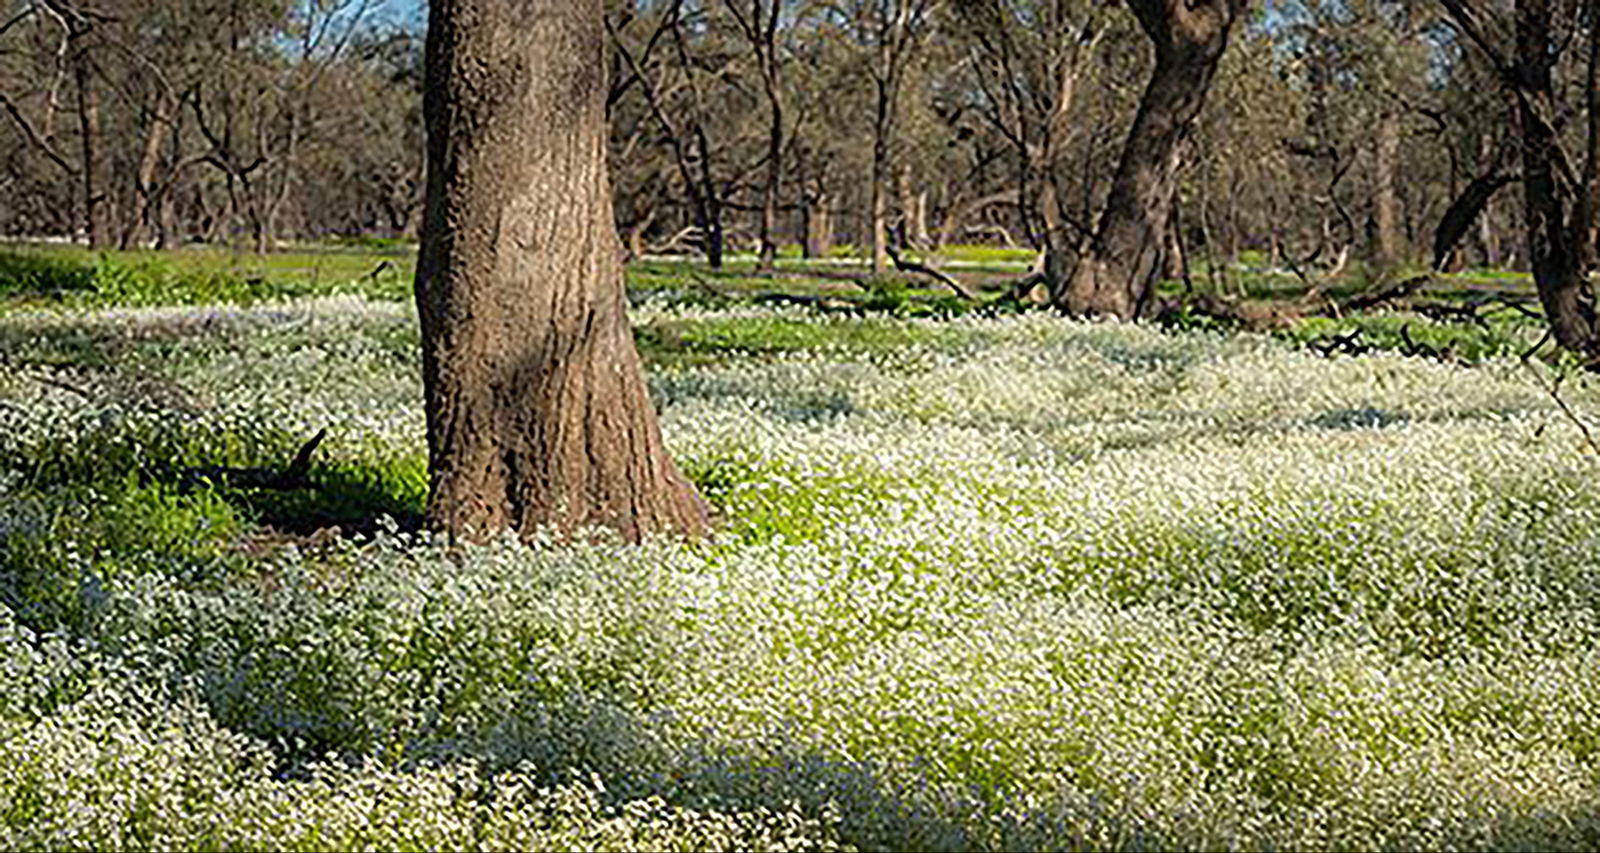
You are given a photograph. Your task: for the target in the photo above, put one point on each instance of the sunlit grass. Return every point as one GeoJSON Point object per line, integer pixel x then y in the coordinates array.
{"type": "Point", "coordinates": [978, 584]}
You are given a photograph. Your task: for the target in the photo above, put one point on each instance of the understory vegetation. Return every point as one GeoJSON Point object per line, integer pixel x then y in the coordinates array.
{"type": "Point", "coordinates": [983, 580]}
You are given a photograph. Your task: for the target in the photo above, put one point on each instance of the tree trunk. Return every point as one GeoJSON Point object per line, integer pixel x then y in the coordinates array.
{"type": "Point", "coordinates": [536, 404]}
{"type": "Point", "coordinates": [143, 202]}
{"type": "Point", "coordinates": [94, 201]}
{"type": "Point", "coordinates": [715, 238]}
{"type": "Point", "coordinates": [1386, 248]}
{"type": "Point", "coordinates": [905, 203]}
{"type": "Point", "coordinates": [819, 226]}
{"type": "Point", "coordinates": [878, 202]}
{"type": "Point", "coordinates": [636, 245]}
{"type": "Point", "coordinates": [878, 220]}
{"type": "Point", "coordinates": [1488, 233]}
{"type": "Point", "coordinates": [1117, 274]}
{"type": "Point", "coordinates": [921, 237]}
{"type": "Point", "coordinates": [769, 207]}
{"type": "Point", "coordinates": [1557, 252]}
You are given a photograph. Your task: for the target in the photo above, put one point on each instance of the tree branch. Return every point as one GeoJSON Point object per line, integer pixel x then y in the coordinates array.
{"type": "Point", "coordinates": [33, 138]}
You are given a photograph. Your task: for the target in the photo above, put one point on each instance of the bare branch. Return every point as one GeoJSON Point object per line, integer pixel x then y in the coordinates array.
{"type": "Point", "coordinates": [33, 137]}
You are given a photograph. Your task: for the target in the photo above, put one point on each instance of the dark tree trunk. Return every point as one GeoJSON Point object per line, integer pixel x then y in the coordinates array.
{"type": "Point", "coordinates": [769, 206]}
{"type": "Point", "coordinates": [774, 186]}
{"type": "Point", "coordinates": [877, 196]}
{"type": "Point", "coordinates": [1557, 250]}
{"type": "Point", "coordinates": [536, 404]}
{"type": "Point", "coordinates": [1117, 274]}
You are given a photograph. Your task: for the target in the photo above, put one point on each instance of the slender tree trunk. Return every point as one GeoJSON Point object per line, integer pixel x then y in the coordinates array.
{"type": "Point", "coordinates": [1387, 250]}
{"type": "Point", "coordinates": [878, 202]}
{"type": "Point", "coordinates": [769, 207]}
{"type": "Point", "coordinates": [921, 237]}
{"type": "Point", "coordinates": [1488, 234]}
{"type": "Point", "coordinates": [94, 199]}
{"type": "Point", "coordinates": [878, 219]}
{"type": "Point", "coordinates": [819, 227]}
{"type": "Point", "coordinates": [286, 183]}
{"type": "Point", "coordinates": [1231, 222]}
{"type": "Point", "coordinates": [715, 237]}
{"type": "Point", "coordinates": [636, 245]}
{"type": "Point", "coordinates": [807, 204]}
{"type": "Point", "coordinates": [1118, 273]}
{"type": "Point", "coordinates": [143, 202]}
{"type": "Point", "coordinates": [536, 404]}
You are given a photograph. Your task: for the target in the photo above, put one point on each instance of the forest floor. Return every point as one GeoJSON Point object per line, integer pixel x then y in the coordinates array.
{"type": "Point", "coordinates": [984, 579]}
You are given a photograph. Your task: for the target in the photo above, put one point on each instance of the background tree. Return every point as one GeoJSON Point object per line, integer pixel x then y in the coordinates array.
{"type": "Point", "coordinates": [1559, 194]}
{"type": "Point", "coordinates": [1126, 253]}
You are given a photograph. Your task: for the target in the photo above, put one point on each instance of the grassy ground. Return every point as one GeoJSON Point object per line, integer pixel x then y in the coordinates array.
{"type": "Point", "coordinates": [981, 583]}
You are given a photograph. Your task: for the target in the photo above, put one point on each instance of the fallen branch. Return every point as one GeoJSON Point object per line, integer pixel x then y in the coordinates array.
{"type": "Point", "coordinates": [1445, 312]}
{"type": "Point", "coordinates": [1415, 349]}
{"type": "Point", "coordinates": [909, 266]}
{"type": "Point", "coordinates": [296, 476]}
{"type": "Point", "coordinates": [62, 385]}
{"type": "Point", "coordinates": [380, 269]}
{"type": "Point", "coordinates": [1348, 344]}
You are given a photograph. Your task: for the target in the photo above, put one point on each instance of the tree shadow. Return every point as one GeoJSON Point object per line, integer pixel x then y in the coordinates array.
{"type": "Point", "coordinates": [302, 498]}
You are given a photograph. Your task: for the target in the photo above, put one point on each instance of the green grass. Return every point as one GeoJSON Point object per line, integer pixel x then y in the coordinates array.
{"type": "Point", "coordinates": [32, 276]}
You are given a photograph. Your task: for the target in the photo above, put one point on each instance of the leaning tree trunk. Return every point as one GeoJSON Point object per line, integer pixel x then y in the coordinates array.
{"type": "Point", "coordinates": [536, 404]}
{"type": "Point", "coordinates": [1117, 274]}
{"type": "Point", "coordinates": [1557, 249]}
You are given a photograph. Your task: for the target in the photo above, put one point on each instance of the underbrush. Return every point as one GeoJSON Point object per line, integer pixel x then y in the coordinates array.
{"type": "Point", "coordinates": [30, 276]}
{"type": "Point", "coordinates": [978, 584]}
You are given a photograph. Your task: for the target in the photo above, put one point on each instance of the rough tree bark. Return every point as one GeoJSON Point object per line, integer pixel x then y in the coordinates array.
{"type": "Point", "coordinates": [1124, 260]}
{"type": "Point", "coordinates": [536, 405]}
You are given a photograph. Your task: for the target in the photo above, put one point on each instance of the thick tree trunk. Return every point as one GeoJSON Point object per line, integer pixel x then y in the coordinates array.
{"type": "Point", "coordinates": [1386, 249]}
{"type": "Point", "coordinates": [1117, 274]}
{"type": "Point", "coordinates": [536, 403]}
